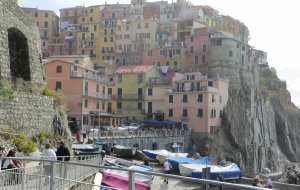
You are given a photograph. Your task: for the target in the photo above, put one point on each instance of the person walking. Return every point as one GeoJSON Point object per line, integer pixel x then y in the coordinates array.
{"type": "Point", "coordinates": [269, 183]}
{"type": "Point", "coordinates": [167, 170]}
{"type": "Point", "coordinates": [63, 154]}
{"type": "Point", "coordinates": [48, 154]}
{"type": "Point", "coordinates": [220, 178]}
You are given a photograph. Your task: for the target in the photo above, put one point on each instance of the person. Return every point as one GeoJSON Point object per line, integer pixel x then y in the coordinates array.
{"type": "Point", "coordinates": [112, 149]}
{"type": "Point", "coordinates": [48, 154]}
{"type": "Point", "coordinates": [269, 183]}
{"type": "Point", "coordinates": [78, 137]}
{"type": "Point", "coordinates": [167, 170]}
{"type": "Point", "coordinates": [84, 135]}
{"type": "Point", "coordinates": [8, 163]}
{"type": "Point", "coordinates": [256, 181]}
{"type": "Point", "coordinates": [220, 178]}
{"type": "Point", "coordinates": [63, 154]}
{"type": "Point", "coordinates": [108, 149]}
{"type": "Point", "coordinates": [14, 175]}
{"type": "Point", "coordinates": [18, 163]}
{"type": "Point", "coordinates": [146, 161]}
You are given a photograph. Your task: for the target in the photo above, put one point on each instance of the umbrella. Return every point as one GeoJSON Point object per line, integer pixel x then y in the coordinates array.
{"type": "Point", "coordinates": [151, 121]}
{"type": "Point", "coordinates": [169, 122]}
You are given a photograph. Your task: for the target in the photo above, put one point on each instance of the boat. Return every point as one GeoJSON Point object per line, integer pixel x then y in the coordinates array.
{"type": "Point", "coordinates": [186, 169]}
{"type": "Point", "coordinates": [122, 163]}
{"type": "Point", "coordinates": [121, 182]}
{"type": "Point", "coordinates": [85, 147]}
{"type": "Point", "coordinates": [137, 176]}
{"type": "Point", "coordinates": [229, 172]}
{"type": "Point", "coordinates": [124, 151]}
{"type": "Point", "coordinates": [174, 162]}
{"type": "Point", "coordinates": [99, 142]}
{"type": "Point", "coordinates": [166, 154]}
{"type": "Point", "coordinates": [161, 155]}
{"type": "Point", "coordinates": [97, 181]}
{"type": "Point", "coordinates": [82, 152]}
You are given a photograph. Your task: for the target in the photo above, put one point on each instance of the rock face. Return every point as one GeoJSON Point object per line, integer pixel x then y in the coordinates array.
{"type": "Point", "coordinates": [291, 174]}
{"type": "Point", "coordinates": [260, 120]}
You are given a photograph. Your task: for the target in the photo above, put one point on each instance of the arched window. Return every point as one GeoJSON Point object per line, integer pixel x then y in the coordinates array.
{"type": "Point", "coordinates": [19, 57]}
{"type": "Point", "coordinates": [154, 146]}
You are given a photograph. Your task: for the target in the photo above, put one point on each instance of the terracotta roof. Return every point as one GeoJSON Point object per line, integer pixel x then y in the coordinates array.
{"type": "Point", "coordinates": [134, 69]}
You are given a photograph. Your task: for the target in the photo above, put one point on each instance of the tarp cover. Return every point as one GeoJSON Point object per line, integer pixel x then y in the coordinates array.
{"type": "Point", "coordinates": [116, 181]}
{"type": "Point", "coordinates": [153, 153]}
{"type": "Point", "coordinates": [231, 171]}
{"type": "Point", "coordinates": [175, 161]}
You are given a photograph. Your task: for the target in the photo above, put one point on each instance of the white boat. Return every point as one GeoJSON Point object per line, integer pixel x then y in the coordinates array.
{"type": "Point", "coordinates": [186, 169]}
{"type": "Point", "coordinates": [97, 181]}
{"type": "Point", "coordinates": [137, 176]}
{"type": "Point", "coordinates": [161, 157]}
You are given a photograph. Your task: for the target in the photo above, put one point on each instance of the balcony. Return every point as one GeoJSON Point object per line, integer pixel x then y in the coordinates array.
{"type": "Point", "coordinates": [69, 38]}
{"type": "Point", "coordinates": [108, 51]}
{"type": "Point", "coordinates": [70, 47]}
{"type": "Point", "coordinates": [189, 78]}
{"type": "Point", "coordinates": [97, 95]}
{"type": "Point", "coordinates": [76, 74]}
{"type": "Point", "coordinates": [44, 37]}
{"type": "Point", "coordinates": [93, 55]}
{"type": "Point", "coordinates": [87, 47]}
{"type": "Point", "coordinates": [189, 89]}
{"type": "Point", "coordinates": [153, 111]}
{"type": "Point", "coordinates": [128, 97]}
{"type": "Point", "coordinates": [138, 40]}
{"type": "Point", "coordinates": [175, 44]}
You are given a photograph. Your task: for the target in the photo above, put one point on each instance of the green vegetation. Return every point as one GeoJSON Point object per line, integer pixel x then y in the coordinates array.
{"type": "Point", "coordinates": [6, 89]}
{"type": "Point", "coordinates": [59, 98]}
{"type": "Point", "coordinates": [24, 145]}
{"type": "Point", "coordinates": [43, 135]}
{"type": "Point", "coordinates": [7, 133]}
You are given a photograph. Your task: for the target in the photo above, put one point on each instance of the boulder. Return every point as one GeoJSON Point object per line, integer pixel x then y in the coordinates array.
{"type": "Point", "coordinates": [291, 174]}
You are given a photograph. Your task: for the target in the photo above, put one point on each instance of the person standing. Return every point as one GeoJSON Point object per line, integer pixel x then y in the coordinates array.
{"type": "Point", "coordinates": [167, 170]}
{"type": "Point", "coordinates": [146, 162]}
{"type": "Point", "coordinates": [78, 137]}
{"type": "Point", "coordinates": [48, 154]}
{"type": "Point", "coordinates": [269, 183]}
{"type": "Point", "coordinates": [84, 135]}
{"type": "Point", "coordinates": [220, 178]}
{"type": "Point", "coordinates": [63, 154]}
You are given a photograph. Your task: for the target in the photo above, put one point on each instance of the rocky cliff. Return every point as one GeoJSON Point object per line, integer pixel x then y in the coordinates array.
{"type": "Point", "coordinates": [260, 120]}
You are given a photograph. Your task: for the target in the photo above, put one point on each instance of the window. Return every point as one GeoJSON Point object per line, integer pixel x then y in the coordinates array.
{"type": "Point", "coordinates": [58, 85]}
{"type": "Point", "coordinates": [105, 39]}
{"type": "Point", "coordinates": [185, 98]}
{"type": "Point", "coordinates": [243, 48]}
{"type": "Point", "coordinates": [146, 25]}
{"type": "Point", "coordinates": [45, 24]}
{"type": "Point", "coordinates": [111, 39]}
{"type": "Point", "coordinates": [111, 31]}
{"type": "Point", "coordinates": [196, 59]}
{"type": "Point", "coordinates": [192, 39]}
{"type": "Point", "coordinates": [59, 69]}
{"type": "Point", "coordinates": [97, 88]}
{"type": "Point", "coordinates": [184, 112]}
{"type": "Point", "coordinates": [213, 113]}
{"type": "Point", "coordinates": [170, 112]}
{"type": "Point", "coordinates": [203, 47]}
{"type": "Point", "coordinates": [91, 19]}
{"type": "Point", "coordinates": [191, 49]}
{"type": "Point", "coordinates": [109, 107]}
{"type": "Point", "coordinates": [149, 53]}
{"type": "Point", "coordinates": [124, 14]}
{"type": "Point", "coordinates": [85, 120]}
{"type": "Point", "coordinates": [237, 45]}
{"type": "Point", "coordinates": [140, 78]}
{"type": "Point", "coordinates": [85, 103]}
{"type": "Point", "coordinates": [102, 15]}
{"type": "Point", "coordinates": [210, 83]}
{"type": "Point", "coordinates": [36, 14]}
{"type": "Point", "coordinates": [140, 105]}
{"type": "Point", "coordinates": [170, 98]}
{"type": "Point", "coordinates": [200, 98]}
{"type": "Point", "coordinates": [220, 99]}
{"type": "Point", "coordinates": [127, 28]}
{"type": "Point", "coordinates": [119, 105]}
{"type": "Point", "coordinates": [161, 52]}
{"type": "Point", "coordinates": [52, 48]}
{"type": "Point", "coordinates": [168, 16]}
{"type": "Point", "coordinates": [213, 98]}
{"type": "Point", "coordinates": [139, 25]}
{"type": "Point", "coordinates": [230, 53]}
{"type": "Point", "coordinates": [150, 91]}
{"type": "Point", "coordinates": [103, 106]}
{"type": "Point", "coordinates": [119, 78]}
{"type": "Point", "coordinates": [242, 58]}
{"type": "Point", "coordinates": [219, 43]}
{"type": "Point", "coordinates": [203, 59]}
{"type": "Point", "coordinates": [83, 19]}
{"type": "Point", "coordinates": [44, 44]}
{"type": "Point", "coordinates": [221, 113]}
{"type": "Point", "coordinates": [46, 15]}
{"type": "Point", "coordinates": [200, 113]}
{"type": "Point", "coordinates": [167, 63]}
{"type": "Point", "coordinates": [76, 61]}
{"type": "Point", "coordinates": [91, 10]}
{"type": "Point", "coordinates": [70, 52]}
{"type": "Point", "coordinates": [97, 105]}
{"type": "Point", "coordinates": [45, 34]}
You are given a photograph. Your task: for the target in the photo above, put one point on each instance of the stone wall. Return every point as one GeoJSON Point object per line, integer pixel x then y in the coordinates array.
{"type": "Point", "coordinates": [12, 16]}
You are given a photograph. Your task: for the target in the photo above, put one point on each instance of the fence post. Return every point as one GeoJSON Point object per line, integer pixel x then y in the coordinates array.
{"type": "Point", "coordinates": [24, 176]}
{"type": "Point", "coordinates": [52, 176]}
{"type": "Point", "coordinates": [131, 185]}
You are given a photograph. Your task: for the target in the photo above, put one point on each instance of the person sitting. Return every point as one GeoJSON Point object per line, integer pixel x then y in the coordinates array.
{"type": "Point", "coordinates": [8, 163]}
{"type": "Point", "coordinates": [269, 183]}
{"type": "Point", "coordinates": [256, 181]}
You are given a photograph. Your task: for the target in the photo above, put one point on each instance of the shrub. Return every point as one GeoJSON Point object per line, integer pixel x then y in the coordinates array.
{"type": "Point", "coordinates": [59, 97]}
{"type": "Point", "coordinates": [44, 134]}
{"type": "Point", "coordinates": [24, 145]}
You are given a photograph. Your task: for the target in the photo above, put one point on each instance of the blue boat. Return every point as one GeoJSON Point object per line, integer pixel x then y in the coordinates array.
{"type": "Point", "coordinates": [160, 155]}
{"type": "Point", "coordinates": [183, 160]}
{"type": "Point", "coordinates": [229, 172]}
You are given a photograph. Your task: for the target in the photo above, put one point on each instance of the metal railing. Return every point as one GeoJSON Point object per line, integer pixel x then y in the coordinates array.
{"type": "Point", "coordinates": [33, 178]}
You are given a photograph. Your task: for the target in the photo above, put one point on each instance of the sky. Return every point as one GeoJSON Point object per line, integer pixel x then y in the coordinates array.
{"type": "Point", "coordinates": [272, 25]}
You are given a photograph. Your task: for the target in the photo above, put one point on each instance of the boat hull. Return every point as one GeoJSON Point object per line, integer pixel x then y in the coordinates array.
{"type": "Point", "coordinates": [137, 176]}
{"type": "Point", "coordinates": [124, 151]}
{"type": "Point", "coordinates": [186, 169]}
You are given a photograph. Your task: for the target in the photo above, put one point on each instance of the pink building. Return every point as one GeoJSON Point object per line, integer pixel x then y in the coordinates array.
{"type": "Point", "coordinates": [198, 45]}
{"type": "Point", "coordinates": [197, 102]}
{"type": "Point", "coordinates": [87, 93]}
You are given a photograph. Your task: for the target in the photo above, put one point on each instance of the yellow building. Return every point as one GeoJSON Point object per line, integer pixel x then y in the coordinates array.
{"type": "Point", "coordinates": [48, 23]}
{"type": "Point", "coordinates": [88, 36]}
{"type": "Point", "coordinates": [131, 90]}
